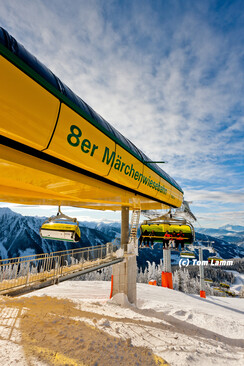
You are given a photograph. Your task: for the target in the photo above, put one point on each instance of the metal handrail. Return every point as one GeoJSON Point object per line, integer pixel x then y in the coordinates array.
{"type": "Point", "coordinates": [36, 256]}
{"type": "Point", "coordinates": [51, 267]}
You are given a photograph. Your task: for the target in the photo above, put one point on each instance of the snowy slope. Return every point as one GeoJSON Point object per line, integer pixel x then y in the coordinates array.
{"type": "Point", "coordinates": [182, 329]}
{"type": "Point", "coordinates": [239, 281]}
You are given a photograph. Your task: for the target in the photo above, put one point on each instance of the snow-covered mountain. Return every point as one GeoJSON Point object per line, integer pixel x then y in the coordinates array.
{"type": "Point", "coordinates": [110, 229]}
{"type": "Point", "coordinates": [232, 227]}
{"type": "Point", "coordinates": [230, 233]}
{"type": "Point", "coordinates": [19, 236]}
{"type": "Point", "coordinates": [225, 247]}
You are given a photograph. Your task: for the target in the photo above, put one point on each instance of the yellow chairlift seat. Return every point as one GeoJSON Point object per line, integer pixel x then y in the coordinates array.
{"type": "Point", "coordinates": [208, 280]}
{"type": "Point", "coordinates": [61, 227]}
{"type": "Point", "coordinates": [214, 259]}
{"type": "Point", "coordinates": [230, 293]}
{"type": "Point", "coordinates": [218, 289]}
{"type": "Point", "coordinates": [187, 254]}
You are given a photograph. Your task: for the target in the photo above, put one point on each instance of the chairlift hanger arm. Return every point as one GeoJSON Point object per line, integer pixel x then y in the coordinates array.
{"type": "Point", "coordinates": [60, 215]}
{"type": "Point", "coordinates": [57, 229]}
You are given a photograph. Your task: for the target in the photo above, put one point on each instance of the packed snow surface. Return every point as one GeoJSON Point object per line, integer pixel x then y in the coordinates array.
{"type": "Point", "coordinates": [75, 323]}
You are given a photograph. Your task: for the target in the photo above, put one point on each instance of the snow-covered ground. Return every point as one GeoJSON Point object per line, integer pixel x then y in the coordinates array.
{"type": "Point", "coordinates": [239, 281]}
{"type": "Point", "coordinates": [74, 323]}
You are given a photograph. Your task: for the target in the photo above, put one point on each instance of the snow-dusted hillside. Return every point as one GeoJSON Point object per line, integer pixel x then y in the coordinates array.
{"type": "Point", "coordinates": [230, 233]}
{"type": "Point", "coordinates": [19, 235]}
{"type": "Point", "coordinates": [223, 248]}
{"type": "Point", "coordinates": [235, 228]}
{"type": "Point", "coordinates": [74, 323]}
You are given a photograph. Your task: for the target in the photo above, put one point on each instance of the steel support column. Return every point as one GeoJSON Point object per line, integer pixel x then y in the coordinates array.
{"type": "Point", "coordinates": [124, 227]}
{"type": "Point", "coordinates": [167, 260]}
{"type": "Point", "coordinates": [202, 283]}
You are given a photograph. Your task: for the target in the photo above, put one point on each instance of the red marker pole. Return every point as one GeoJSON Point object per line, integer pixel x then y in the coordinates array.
{"type": "Point", "coordinates": [112, 285]}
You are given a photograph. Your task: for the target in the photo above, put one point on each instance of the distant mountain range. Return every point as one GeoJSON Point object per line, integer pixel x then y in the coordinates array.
{"type": "Point", "coordinates": [232, 228]}
{"type": "Point", "coordinates": [19, 236]}
{"type": "Point", "coordinates": [223, 249]}
{"type": "Point", "coordinates": [230, 233]}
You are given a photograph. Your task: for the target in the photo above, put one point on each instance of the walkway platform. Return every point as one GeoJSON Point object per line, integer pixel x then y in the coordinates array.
{"type": "Point", "coordinates": [25, 274]}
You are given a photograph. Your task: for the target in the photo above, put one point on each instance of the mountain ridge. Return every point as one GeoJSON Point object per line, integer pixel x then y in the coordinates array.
{"type": "Point", "coordinates": [19, 236]}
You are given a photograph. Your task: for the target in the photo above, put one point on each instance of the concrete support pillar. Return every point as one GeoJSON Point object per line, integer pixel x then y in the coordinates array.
{"type": "Point", "coordinates": [124, 227]}
{"type": "Point", "coordinates": [124, 273]}
{"type": "Point", "coordinates": [124, 279]}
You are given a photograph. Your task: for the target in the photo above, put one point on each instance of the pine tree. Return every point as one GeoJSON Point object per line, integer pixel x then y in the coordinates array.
{"type": "Point", "coordinates": [176, 280]}
{"type": "Point", "coordinates": [241, 293]}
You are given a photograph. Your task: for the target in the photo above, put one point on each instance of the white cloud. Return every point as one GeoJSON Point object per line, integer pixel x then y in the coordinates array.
{"type": "Point", "coordinates": [217, 219]}
{"type": "Point", "coordinates": [169, 99]}
{"type": "Point", "coordinates": [171, 85]}
{"type": "Point", "coordinates": [215, 196]}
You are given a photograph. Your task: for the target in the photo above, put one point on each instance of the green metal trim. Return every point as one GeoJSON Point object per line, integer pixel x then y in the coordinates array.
{"type": "Point", "coordinates": [51, 238]}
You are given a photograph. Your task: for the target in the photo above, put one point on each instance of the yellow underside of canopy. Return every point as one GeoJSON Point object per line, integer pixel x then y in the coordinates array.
{"type": "Point", "coordinates": [29, 180]}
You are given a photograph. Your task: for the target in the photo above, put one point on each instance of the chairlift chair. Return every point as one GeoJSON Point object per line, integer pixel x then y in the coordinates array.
{"type": "Point", "coordinates": [155, 228]}
{"type": "Point", "coordinates": [213, 259]}
{"type": "Point", "coordinates": [159, 228]}
{"type": "Point", "coordinates": [224, 285]}
{"type": "Point", "coordinates": [208, 280]}
{"type": "Point", "coordinates": [61, 227]}
{"type": "Point", "coordinates": [187, 254]}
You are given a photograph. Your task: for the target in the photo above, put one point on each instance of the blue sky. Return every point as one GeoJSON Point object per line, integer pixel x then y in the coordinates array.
{"type": "Point", "coordinates": [168, 74]}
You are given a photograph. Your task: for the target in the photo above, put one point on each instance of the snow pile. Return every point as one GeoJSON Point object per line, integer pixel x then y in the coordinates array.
{"type": "Point", "coordinates": [74, 323]}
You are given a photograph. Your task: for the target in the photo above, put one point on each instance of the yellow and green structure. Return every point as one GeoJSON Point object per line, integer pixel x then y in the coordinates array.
{"type": "Point", "coordinates": [56, 150]}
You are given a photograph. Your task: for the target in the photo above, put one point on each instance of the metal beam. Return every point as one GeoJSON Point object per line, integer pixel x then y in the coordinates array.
{"type": "Point", "coordinates": [124, 227]}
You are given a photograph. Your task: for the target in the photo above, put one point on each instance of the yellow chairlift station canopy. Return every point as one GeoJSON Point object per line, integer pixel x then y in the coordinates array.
{"type": "Point", "coordinates": [56, 150]}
